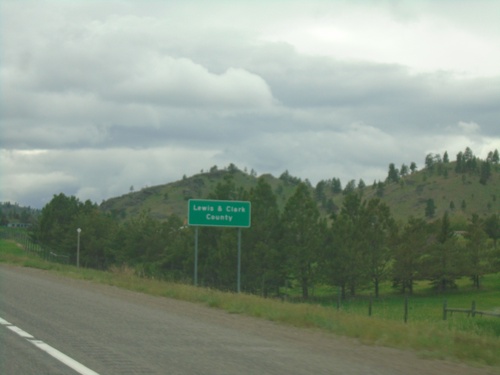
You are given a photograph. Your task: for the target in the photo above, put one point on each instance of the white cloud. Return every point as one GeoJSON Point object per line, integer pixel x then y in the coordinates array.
{"type": "Point", "coordinates": [423, 37]}
{"type": "Point", "coordinates": [469, 127]}
{"type": "Point", "coordinates": [173, 82]}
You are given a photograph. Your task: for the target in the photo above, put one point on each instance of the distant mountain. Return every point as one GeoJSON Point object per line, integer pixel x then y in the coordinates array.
{"type": "Point", "coordinates": [427, 193]}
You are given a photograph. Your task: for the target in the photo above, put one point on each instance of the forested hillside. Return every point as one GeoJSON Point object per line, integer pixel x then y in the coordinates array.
{"type": "Point", "coordinates": [164, 200]}
{"type": "Point", "coordinates": [461, 188]}
{"type": "Point", "coordinates": [437, 224]}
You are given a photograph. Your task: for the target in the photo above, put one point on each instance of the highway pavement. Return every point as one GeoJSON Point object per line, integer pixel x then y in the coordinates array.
{"type": "Point", "coordinates": [54, 325]}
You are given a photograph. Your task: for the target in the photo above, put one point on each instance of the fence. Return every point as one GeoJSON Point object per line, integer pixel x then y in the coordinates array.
{"type": "Point", "coordinates": [472, 312]}
{"type": "Point", "coordinates": [22, 237]}
{"type": "Point", "coordinates": [406, 307]}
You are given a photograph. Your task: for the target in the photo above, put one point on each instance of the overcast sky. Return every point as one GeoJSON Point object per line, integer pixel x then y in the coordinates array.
{"type": "Point", "coordinates": [99, 96]}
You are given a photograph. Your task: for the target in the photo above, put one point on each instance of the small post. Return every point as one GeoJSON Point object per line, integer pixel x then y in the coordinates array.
{"type": "Point", "coordinates": [339, 297]}
{"type": "Point", "coordinates": [78, 248]}
{"type": "Point", "coordinates": [406, 310]}
{"type": "Point", "coordinates": [370, 306]}
{"type": "Point", "coordinates": [473, 309]}
{"type": "Point", "coordinates": [444, 309]}
{"type": "Point", "coordinates": [195, 256]}
{"type": "Point", "coordinates": [239, 260]}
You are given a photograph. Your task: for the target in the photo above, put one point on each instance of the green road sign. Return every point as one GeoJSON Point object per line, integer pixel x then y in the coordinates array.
{"type": "Point", "coordinates": [214, 213]}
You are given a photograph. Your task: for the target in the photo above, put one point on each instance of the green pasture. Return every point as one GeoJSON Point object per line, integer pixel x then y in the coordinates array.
{"type": "Point", "coordinates": [425, 304]}
{"type": "Point", "coordinates": [459, 338]}
{"type": "Point", "coordinates": [10, 252]}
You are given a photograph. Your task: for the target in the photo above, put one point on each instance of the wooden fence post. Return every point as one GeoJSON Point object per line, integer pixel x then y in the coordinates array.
{"type": "Point", "coordinates": [339, 297]}
{"type": "Point", "coordinates": [444, 310]}
{"type": "Point", "coordinates": [406, 309]}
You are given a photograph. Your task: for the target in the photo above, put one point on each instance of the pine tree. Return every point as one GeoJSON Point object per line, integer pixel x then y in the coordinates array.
{"type": "Point", "coordinates": [301, 236]}
{"type": "Point", "coordinates": [485, 172]}
{"type": "Point", "coordinates": [445, 260]}
{"type": "Point", "coordinates": [393, 174]}
{"type": "Point", "coordinates": [495, 159]}
{"type": "Point", "coordinates": [263, 259]}
{"type": "Point", "coordinates": [492, 228]}
{"type": "Point", "coordinates": [342, 257]}
{"type": "Point", "coordinates": [413, 167]}
{"type": "Point", "coordinates": [477, 262]}
{"type": "Point", "coordinates": [446, 159]}
{"type": "Point", "coordinates": [379, 231]}
{"type": "Point", "coordinates": [430, 208]}
{"type": "Point", "coordinates": [412, 245]}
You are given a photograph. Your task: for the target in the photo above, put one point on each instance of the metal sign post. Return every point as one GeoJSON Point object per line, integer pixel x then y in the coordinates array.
{"type": "Point", "coordinates": [78, 231]}
{"type": "Point", "coordinates": [239, 261]}
{"type": "Point", "coordinates": [214, 213]}
{"type": "Point", "coordinates": [196, 256]}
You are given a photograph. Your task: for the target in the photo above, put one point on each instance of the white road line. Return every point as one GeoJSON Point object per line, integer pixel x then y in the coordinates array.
{"type": "Point", "coordinates": [68, 361]}
{"type": "Point", "coordinates": [61, 357]}
{"type": "Point", "coordinates": [20, 332]}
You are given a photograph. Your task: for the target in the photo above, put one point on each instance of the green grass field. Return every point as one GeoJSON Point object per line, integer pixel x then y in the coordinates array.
{"type": "Point", "coordinates": [424, 305]}
{"type": "Point", "coordinates": [460, 338]}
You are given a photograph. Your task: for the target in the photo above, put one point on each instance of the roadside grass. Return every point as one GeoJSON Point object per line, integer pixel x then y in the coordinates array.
{"type": "Point", "coordinates": [460, 338]}
{"type": "Point", "coordinates": [10, 249]}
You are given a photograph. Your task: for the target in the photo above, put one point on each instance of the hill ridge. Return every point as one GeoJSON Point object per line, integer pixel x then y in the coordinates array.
{"type": "Point", "coordinates": [461, 194]}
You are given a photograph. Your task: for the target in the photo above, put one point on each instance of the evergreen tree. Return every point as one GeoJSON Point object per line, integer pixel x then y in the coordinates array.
{"type": "Point", "coordinates": [429, 162]}
{"type": "Point", "coordinates": [492, 228]}
{"type": "Point", "coordinates": [336, 186]}
{"type": "Point", "coordinates": [444, 262]}
{"type": "Point", "coordinates": [138, 241]}
{"type": "Point", "coordinates": [177, 257]}
{"type": "Point", "coordinates": [412, 246]}
{"type": "Point", "coordinates": [57, 231]}
{"type": "Point", "coordinates": [459, 167]}
{"type": "Point", "coordinates": [344, 257]}
{"type": "Point", "coordinates": [380, 189]}
{"type": "Point", "coordinates": [495, 159]}
{"type": "Point", "coordinates": [446, 158]}
{"type": "Point", "coordinates": [301, 236]}
{"type": "Point", "coordinates": [430, 208]}
{"type": "Point", "coordinates": [413, 167]}
{"type": "Point", "coordinates": [393, 174]}
{"type": "Point", "coordinates": [263, 266]}
{"type": "Point", "coordinates": [98, 232]}
{"type": "Point", "coordinates": [378, 237]}
{"type": "Point", "coordinates": [339, 263]}
{"type": "Point", "coordinates": [485, 172]}
{"type": "Point", "coordinates": [489, 158]}
{"type": "Point", "coordinates": [320, 191]}
{"type": "Point", "coordinates": [403, 170]}
{"type": "Point", "coordinates": [477, 257]}
{"type": "Point", "coordinates": [56, 228]}
{"type": "Point", "coordinates": [350, 187]}
{"type": "Point", "coordinates": [468, 156]}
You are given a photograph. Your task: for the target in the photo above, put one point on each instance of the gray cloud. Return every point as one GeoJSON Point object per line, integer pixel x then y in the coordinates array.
{"type": "Point", "coordinates": [96, 97]}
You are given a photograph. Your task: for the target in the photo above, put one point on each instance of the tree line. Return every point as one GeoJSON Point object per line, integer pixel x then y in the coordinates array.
{"type": "Point", "coordinates": [356, 246]}
{"type": "Point", "coordinates": [13, 214]}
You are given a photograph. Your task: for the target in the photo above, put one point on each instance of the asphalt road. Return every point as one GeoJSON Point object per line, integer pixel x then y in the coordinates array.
{"type": "Point", "coordinates": [105, 330]}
